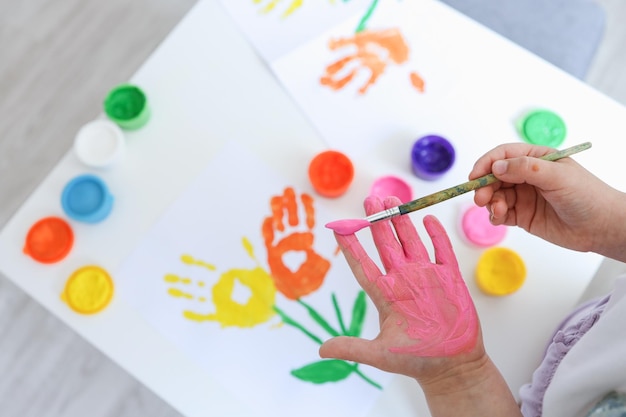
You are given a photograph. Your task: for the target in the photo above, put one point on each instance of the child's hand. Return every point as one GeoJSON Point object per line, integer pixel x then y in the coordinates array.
{"type": "Point", "coordinates": [559, 201]}
{"type": "Point", "coordinates": [428, 324]}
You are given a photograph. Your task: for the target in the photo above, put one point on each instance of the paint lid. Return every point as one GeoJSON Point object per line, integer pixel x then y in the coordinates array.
{"type": "Point", "coordinates": [99, 143]}
{"type": "Point", "coordinates": [49, 240]}
{"type": "Point", "coordinates": [478, 230]}
{"type": "Point", "coordinates": [431, 157]}
{"type": "Point", "coordinates": [391, 185]}
{"type": "Point", "coordinates": [331, 173]}
{"type": "Point", "coordinates": [86, 199]}
{"type": "Point", "coordinates": [500, 271]}
{"type": "Point", "coordinates": [543, 127]}
{"type": "Point", "coordinates": [88, 290]}
{"type": "Point", "coordinates": [127, 106]}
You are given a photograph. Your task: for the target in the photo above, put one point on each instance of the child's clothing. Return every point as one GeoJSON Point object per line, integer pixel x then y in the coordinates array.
{"type": "Point", "coordinates": [585, 360]}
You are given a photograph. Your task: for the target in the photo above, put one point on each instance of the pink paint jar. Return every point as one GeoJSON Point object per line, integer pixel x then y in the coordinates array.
{"type": "Point", "coordinates": [391, 185]}
{"type": "Point", "coordinates": [476, 228]}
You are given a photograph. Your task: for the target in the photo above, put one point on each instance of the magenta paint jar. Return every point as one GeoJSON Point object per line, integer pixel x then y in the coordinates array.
{"type": "Point", "coordinates": [478, 230]}
{"type": "Point", "coordinates": [431, 157]}
{"type": "Point", "coordinates": [391, 185]}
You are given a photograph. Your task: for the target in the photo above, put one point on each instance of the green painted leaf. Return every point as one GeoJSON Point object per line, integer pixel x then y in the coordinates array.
{"type": "Point", "coordinates": [358, 315]}
{"type": "Point", "coordinates": [327, 370]}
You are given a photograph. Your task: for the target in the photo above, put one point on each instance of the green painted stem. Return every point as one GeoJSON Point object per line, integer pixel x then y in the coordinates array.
{"type": "Point", "coordinates": [288, 320]}
{"type": "Point", "coordinates": [363, 23]}
{"type": "Point", "coordinates": [366, 378]}
{"type": "Point", "coordinates": [319, 319]}
{"type": "Point", "coordinates": [342, 325]}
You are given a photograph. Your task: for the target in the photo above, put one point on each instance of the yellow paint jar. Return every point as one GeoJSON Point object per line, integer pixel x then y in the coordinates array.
{"type": "Point", "coordinates": [88, 290]}
{"type": "Point", "coordinates": [500, 271]}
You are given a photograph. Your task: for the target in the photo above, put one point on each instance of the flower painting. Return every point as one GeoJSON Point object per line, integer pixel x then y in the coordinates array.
{"type": "Point", "coordinates": [243, 277]}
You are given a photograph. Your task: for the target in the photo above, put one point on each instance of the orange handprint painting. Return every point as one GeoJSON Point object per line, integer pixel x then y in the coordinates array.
{"type": "Point", "coordinates": [309, 276]}
{"type": "Point", "coordinates": [374, 51]}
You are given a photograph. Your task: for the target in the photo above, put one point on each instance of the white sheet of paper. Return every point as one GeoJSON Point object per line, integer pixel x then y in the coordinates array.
{"type": "Point", "coordinates": [391, 107]}
{"type": "Point", "coordinates": [208, 221]}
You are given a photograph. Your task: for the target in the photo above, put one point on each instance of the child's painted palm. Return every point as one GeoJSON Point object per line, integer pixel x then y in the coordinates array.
{"type": "Point", "coordinates": [425, 308]}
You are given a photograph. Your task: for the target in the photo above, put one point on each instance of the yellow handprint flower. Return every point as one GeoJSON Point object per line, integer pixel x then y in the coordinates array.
{"type": "Point", "coordinates": [228, 312]}
{"type": "Point", "coordinates": [257, 309]}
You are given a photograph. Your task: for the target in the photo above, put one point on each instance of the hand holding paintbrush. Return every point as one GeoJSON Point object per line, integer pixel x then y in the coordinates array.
{"type": "Point", "coordinates": [349, 226]}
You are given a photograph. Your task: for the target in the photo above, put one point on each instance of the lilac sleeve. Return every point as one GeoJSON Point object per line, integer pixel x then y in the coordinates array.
{"type": "Point", "coordinates": [571, 329]}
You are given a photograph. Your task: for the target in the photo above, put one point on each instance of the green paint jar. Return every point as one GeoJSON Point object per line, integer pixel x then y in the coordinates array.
{"type": "Point", "coordinates": [127, 106]}
{"type": "Point", "coordinates": [542, 127]}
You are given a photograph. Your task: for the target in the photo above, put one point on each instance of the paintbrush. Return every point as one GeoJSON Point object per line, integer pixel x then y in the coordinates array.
{"type": "Point", "coordinates": [349, 226]}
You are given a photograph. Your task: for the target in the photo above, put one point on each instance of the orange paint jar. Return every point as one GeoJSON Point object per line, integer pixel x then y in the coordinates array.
{"type": "Point", "coordinates": [49, 240]}
{"type": "Point", "coordinates": [331, 173]}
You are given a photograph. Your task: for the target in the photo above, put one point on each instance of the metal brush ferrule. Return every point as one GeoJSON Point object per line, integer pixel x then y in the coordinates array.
{"type": "Point", "coordinates": [382, 215]}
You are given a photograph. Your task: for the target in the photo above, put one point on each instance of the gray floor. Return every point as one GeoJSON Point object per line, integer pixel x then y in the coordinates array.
{"type": "Point", "coordinates": [57, 61]}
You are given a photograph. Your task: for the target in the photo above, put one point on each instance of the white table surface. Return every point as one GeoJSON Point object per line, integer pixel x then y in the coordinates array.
{"type": "Point", "coordinates": [206, 85]}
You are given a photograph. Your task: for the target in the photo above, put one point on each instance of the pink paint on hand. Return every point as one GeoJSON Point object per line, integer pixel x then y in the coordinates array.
{"type": "Point", "coordinates": [430, 302]}
{"type": "Point", "coordinates": [432, 297]}
{"type": "Point", "coordinates": [348, 226]}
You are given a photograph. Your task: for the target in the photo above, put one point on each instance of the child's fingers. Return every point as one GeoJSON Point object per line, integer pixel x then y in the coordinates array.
{"type": "Point", "coordinates": [412, 245]}
{"type": "Point", "coordinates": [362, 266]}
{"type": "Point", "coordinates": [444, 254]}
{"type": "Point", "coordinates": [389, 249]}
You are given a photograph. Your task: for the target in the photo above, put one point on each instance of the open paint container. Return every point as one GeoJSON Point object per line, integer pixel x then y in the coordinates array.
{"type": "Point", "coordinates": [86, 198]}
{"type": "Point", "coordinates": [476, 229]}
{"type": "Point", "coordinates": [391, 185]}
{"type": "Point", "coordinates": [127, 106]}
{"type": "Point", "coordinates": [99, 143]}
{"type": "Point", "coordinates": [431, 157]}
{"type": "Point", "coordinates": [49, 240]}
{"type": "Point", "coordinates": [542, 127]}
{"type": "Point", "coordinates": [331, 173]}
{"type": "Point", "coordinates": [500, 271]}
{"type": "Point", "coordinates": [88, 290]}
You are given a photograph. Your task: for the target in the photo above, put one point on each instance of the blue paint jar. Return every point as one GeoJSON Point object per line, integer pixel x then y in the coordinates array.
{"type": "Point", "coordinates": [86, 198]}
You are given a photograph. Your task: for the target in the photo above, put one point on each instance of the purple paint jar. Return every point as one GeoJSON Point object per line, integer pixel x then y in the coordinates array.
{"type": "Point", "coordinates": [431, 157]}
